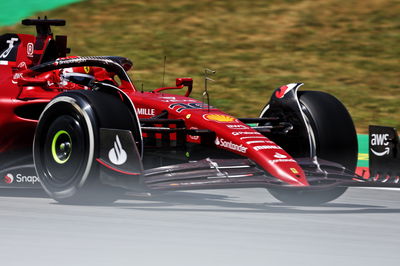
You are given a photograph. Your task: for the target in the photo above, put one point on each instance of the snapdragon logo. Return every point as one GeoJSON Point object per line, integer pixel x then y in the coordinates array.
{"type": "Point", "coordinates": [9, 178]}
{"type": "Point", "coordinates": [230, 145]}
{"type": "Point", "coordinates": [19, 178]}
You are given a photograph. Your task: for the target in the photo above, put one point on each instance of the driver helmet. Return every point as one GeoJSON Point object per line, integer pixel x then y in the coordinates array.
{"type": "Point", "coordinates": [82, 71]}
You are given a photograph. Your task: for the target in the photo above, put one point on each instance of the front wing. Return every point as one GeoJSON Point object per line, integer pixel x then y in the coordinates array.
{"type": "Point", "coordinates": [243, 173]}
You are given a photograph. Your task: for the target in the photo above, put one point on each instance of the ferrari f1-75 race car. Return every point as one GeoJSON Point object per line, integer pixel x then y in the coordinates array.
{"type": "Point", "coordinates": [94, 135]}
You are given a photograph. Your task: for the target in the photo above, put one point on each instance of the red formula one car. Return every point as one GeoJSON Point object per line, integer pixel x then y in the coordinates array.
{"type": "Point", "coordinates": [95, 135]}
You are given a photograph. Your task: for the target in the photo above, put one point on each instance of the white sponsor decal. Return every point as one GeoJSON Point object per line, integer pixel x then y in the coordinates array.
{"type": "Point", "coordinates": [380, 140]}
{"type": "Point", "coordinates": [10, 47]}
{"type": "Point", "coordinates": [282, 161]}
{"type": "Point", "coordinates": [117, 155]}
{"type": "Point", "coordinates": [173, 99]}
{"type": "Point", "coordinates": [68, 61]}
{"type": "Point", "coordinates": [26, 179]}
{"type": "Point", "coordinates": [189, 106]}
{"type": "Point", "coordinates": [237, 126]}
{"type": "Point", "coordinates": [253, 137]}
{"type": "Point", "coordinates": [16, 76]}
{"type": "Point", "coordinates": [256, 141]}
{"type": "Point", "coordinates": [19, 178]}
{"type": "Point", "coordinates": [230, 145]}
{"type": "Point", "coordinates": [279, 156]}
{"type": "Point", "coordinates": [245, 133]}
{"type": "Point", "coordinates": [386, 151]}
{"type": "Point", "coordinates": [22, 65]}
{"type": "Point", "coordinates": [145, 111]}
{"type": "Point", "coordinates": [268, 147]}
{"type": "Point", "coordinates": [29, 49]}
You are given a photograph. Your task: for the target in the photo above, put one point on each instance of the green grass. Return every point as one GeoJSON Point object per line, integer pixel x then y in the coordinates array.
{"type": "Point", "coordinates": [347, 48]}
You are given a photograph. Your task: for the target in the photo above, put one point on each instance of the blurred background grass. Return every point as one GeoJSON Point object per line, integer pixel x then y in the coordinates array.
{"type": "Point", "coordinates": [347, 48]}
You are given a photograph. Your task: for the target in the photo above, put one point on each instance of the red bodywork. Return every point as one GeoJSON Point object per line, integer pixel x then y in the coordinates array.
{"type": "Point", "coordinates": [231, 134]}
{"type": "Point", "coordinates": [23, 90]}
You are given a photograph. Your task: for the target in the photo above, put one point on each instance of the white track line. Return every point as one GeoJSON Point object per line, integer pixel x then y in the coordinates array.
{"type": "Point", "coordinates": [382, 188]}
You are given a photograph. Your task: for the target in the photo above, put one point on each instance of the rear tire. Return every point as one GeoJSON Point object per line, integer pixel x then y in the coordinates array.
{"type": "Point", "coordinates": [66, 145]}
{"type": "Point", "coordinates": [336, 141]}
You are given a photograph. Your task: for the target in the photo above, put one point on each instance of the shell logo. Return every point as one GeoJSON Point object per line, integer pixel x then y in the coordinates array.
{"type": "Point", "coordinates": [220, 118]}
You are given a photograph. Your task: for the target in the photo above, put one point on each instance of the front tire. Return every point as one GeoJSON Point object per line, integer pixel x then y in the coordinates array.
{"type": "Point", "coordinates": [66, 145]}
{"type": "Point", "coordinates": [336, 141]}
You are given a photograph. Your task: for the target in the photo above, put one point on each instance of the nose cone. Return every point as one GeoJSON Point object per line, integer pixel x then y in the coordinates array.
{"type": "Point", "coordinates": [281, 165]}
{"type": "Point", "coordinates": [292, 174]}
{"type": "Point", "coordinates": [266, 153]}
{"type": "Point", "coordinates": [235, 136]}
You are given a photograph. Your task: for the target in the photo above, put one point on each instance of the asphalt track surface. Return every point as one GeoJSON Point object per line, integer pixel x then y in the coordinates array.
{"type": "Point", "coordinates": [210, 227]}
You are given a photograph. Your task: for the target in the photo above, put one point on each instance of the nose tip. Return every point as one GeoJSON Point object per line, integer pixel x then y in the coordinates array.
{"type": "Point", "coordinates": [302, 182]}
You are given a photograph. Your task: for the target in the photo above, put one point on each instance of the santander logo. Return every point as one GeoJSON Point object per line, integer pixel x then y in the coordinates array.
{"type": "Point", "coordinates": [9, 178]}
{"type": "Point", "coordinates": [117, 155]}
{"type": "Point", "coordinates": [230, 145]}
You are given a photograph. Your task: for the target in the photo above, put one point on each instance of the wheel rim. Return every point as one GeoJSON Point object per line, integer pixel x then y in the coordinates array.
{"type": "Point", "coordinates": [64, 153]}
{"type": "Point", "coordinates": [61, 147]}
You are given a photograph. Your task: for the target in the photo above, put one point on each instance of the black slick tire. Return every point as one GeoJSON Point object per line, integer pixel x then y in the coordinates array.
{"type": "Point", "coordinates": [66, 145]}
{"type": "Point", "coordinates": [336, 141]}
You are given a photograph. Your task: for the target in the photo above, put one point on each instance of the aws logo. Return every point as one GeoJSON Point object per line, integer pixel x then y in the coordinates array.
{"type": "Point", "coordinates": [380, 140]}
